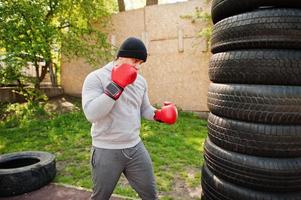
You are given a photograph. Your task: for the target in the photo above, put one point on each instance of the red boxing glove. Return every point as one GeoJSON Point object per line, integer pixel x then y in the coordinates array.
{"type": "Point", "coordinates": [122, 76]}
{"type": "Point", "coordinates": [167, 114]}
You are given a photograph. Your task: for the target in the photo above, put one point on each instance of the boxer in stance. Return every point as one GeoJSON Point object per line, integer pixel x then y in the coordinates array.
{"type": "Point", "coordinates": [114, 98]}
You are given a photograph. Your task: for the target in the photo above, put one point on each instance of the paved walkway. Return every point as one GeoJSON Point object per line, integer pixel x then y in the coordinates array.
{"type": "Point", "coordinates": [58, 192]}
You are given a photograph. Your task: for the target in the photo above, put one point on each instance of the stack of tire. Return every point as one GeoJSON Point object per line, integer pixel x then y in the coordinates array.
{"type": "Point", "coordinates": [253, 149]}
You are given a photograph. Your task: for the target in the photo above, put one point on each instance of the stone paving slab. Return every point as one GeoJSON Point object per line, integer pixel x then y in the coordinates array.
{"type": "Point", "coordinates": [59, 192]}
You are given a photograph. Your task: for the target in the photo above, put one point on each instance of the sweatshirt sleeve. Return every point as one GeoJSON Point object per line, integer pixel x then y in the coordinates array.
{"type": "Point", "coordinates": [147, 110]}
{"type": "Point", "coordinates": [96, 104]}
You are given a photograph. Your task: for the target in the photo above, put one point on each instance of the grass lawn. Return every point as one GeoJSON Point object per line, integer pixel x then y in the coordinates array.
{"type": "Point", "coordinates": [176, 151]}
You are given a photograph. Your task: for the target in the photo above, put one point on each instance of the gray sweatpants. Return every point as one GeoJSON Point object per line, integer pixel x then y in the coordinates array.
{"type": "Point", "coordinates": [134, 163]}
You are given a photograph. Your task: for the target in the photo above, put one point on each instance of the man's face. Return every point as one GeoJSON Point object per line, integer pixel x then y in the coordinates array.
{"type": "Point", "coordinates": [131, 61]}
{"type": "Point", "coordinates": [136, 63]}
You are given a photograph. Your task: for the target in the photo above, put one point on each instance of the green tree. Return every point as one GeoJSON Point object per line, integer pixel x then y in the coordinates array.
{"type": "Point", "coordinates": [42, 30]}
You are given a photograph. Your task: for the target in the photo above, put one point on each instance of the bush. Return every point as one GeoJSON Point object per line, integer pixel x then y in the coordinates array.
{"type": "Point", "coordinates": [20, 114]}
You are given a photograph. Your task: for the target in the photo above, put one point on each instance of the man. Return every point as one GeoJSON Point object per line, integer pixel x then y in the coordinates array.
{"type": "Point", "coordinates": [114, 98]}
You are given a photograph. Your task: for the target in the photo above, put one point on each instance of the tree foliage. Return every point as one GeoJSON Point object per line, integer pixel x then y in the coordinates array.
{"type": "Point", "coordinates": [36, 30]}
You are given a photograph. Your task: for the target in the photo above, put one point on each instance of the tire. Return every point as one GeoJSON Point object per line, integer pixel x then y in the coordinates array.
{"type": "Point", "coordinates": [215, 188]}
{"type": "Point", "coordinates": [260, 173]}
{"type": "Point", "coordinates": [270, 67]}
{"type": "Point", "coordinates": [25, 171]}
{"type": "Point", "coordinates": [222, 9]}
{"type": "Point", "coordinates": [256, 103]}
{"type": "Point", "coordinates": [255, 139]}
{"type": "Point", "coordinates": [262, 29]}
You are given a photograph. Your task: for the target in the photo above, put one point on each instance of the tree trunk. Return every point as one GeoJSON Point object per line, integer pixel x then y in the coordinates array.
{"type": "Point", "coordinates": [37, 82]}
{"type": "Point", "coordinates": [121, 5]}
{"type": "Point", "coordinates": [44, 71]}
{"type": "Point", "coordinates": [151, 2]}
{"type": "Point", "coordinates": [52, 74]}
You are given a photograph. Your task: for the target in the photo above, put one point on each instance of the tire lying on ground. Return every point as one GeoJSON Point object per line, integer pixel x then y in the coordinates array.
{"type": "Point", "coordinates": [266, 140]}
{"type": "Point", "coordinates": [225, 8]}
{"type": "Point", "coordinates": [25, 171]}
{"type": "Point", "coordinates": [215, 188]}
{"type": "Point", "coordinates": [271, 104]}
{"type": "Point", "coordinates": [261, 29]}
{"type": "Point", "coordinates": [260, 173]}
{"type": "Point", "coordinates": [270, 67]}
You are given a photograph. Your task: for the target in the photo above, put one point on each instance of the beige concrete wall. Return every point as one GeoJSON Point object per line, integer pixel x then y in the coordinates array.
{"type": "Point", "coordinates": [73, 74]}
{"type": "Point", "coordinates": [177, 65]}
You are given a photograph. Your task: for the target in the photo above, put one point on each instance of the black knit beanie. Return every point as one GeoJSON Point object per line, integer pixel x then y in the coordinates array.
{"type": "Point", "coordinates": [133, 48]}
